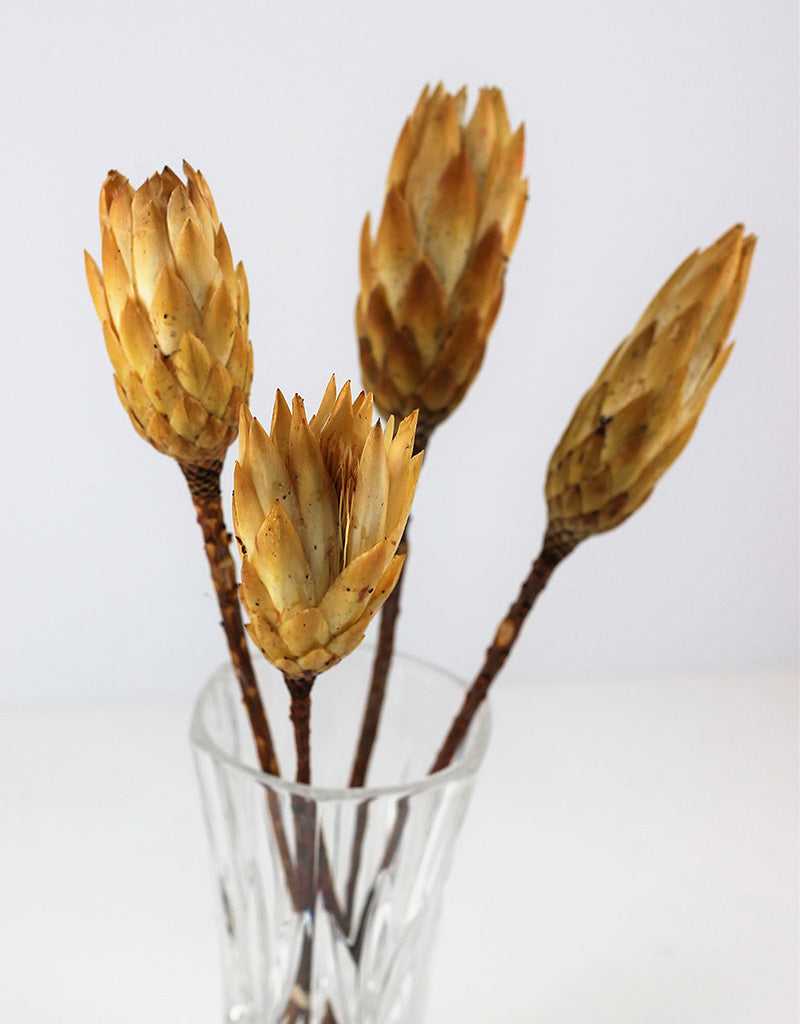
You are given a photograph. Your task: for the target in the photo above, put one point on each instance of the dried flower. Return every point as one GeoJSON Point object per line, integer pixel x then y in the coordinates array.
{"type": "Point", "coordinates": [319, 508]}
{"type": "Point", "coordinates": [174, 312]}
{"type": "Point", "coordinates": [637, 417]}
{"type": "Point", "coordinates": [432, 281]}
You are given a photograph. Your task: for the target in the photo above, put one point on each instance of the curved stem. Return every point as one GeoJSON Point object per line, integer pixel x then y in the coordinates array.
{"type": "Point", "coordinates": [504, 640]}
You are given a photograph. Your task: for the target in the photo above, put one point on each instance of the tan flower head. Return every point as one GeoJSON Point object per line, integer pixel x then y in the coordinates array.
{"type": "Point", "coordinates": [639, 414]}
{"type": "Point", "coordinates": [319, 508]}
{"type": "Point", "coordinates": [432, 280]}
{"type": "Point", "coordinates": [174, 311]}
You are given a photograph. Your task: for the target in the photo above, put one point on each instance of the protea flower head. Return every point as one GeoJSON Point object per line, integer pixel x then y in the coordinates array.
{"type": "Point", "coordinates": [319, 507]}
{"type": "Point", "coordinates": [175, 312]}
{"type": "Point", "coordinates": [635, 420]}
{"type": "Point", "coordinates": [432, 279]}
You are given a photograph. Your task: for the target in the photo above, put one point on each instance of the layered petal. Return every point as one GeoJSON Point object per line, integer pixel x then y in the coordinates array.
{"type": "Point", "coordinates": [175, 313]}
{"type": "Point", "coordinates": [319, 507]}
{"type": "Point", "coordinates": [638, 416]}
{"type": "Point", "coordinates": [455, 198]}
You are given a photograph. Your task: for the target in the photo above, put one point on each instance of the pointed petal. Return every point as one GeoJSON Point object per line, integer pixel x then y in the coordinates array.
{"type": "Point", "coordinates": [368, 514]}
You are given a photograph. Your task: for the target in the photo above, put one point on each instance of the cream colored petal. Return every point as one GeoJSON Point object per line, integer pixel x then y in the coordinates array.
{"type": "Point", "coordinates": [672, 346]}
{"type": "Point", "coordinates": [255, 595]}
{"type": "Point", "coordinates": [172, 312]}
{"type": "Point", "coordinates": [440, 141]}
{"type": "Point", "coordinates": [407, 143]}
{"type": "Point", "coordinates": [480, 135]}
{"type": "Point", "coordinates": [450, 224]}
{"type": "Point", "coordinates": [198, 183]}
{"type": "Point", "coordinates": [281, 424]}
{"type": "Point", "coordinates": [316, 661]}
{"type": "Point", "coordinates": [248, 512]}
{"type": "Point", "coordinates": [194, 261]}
{"type": "Point", "coordinates": [243, 304]}
{"type": "Point", "coordinates": [222, 254]}
{"type": "Point", "coordinates": [340, 423]}
{"type": "Point", "coordinates": [502, 193]}
{"type": "Point", "coordinates": [397, 249]}
{"type": "Point", "coordinates": [401, 497]}
{"type": "Point", "coordinates": [268, 641]}
{"type": "Point", "coordinates": [188, 418]}
{"type": "Point", "coordinates": [322, 415]}
{"type": "Point", "coordinates": [280, 563]}
{"type": "Point", "coordinates": [192, 364]}
{"type": "Point", "coordinates": [268, 471]}
{"type": "Point", "coordinates": [220, 322]}
{"type": "Point", "coordinates": [95, 281]}
{"type": "Point", "coordinates": [217, 394]}
{"type": "Point", "coordinates": [162, 386]}
{"type": "Point", "coordinates": [116, 282]}
{"type": "Point", "coordinates": [304, 632]}
{"type": "Point", "coordinates": [120, 223]}
{"type": "Point", "coordinates": [240, 361]}
{"type": "Point", "coordinates": [318, 524]}
{"type": "Point", "coordinates": [136, 338]}
{"type": "Point", "coordinates": [350, 593]}
{"type": "Point", "coordinates": [366, 259]}
{"type": "Point", "coordinates": [368, 515]}
{"type": "Point", "coordinates": [151, 248]}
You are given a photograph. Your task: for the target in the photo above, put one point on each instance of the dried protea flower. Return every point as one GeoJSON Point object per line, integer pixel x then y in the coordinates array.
{"type": "Point", "coordinates": [175, 312]}
{"type": "Point", "coordinates": [637, 417]}
{"type": "Point", "coordinates": [319, 508]}
{"type": "Point", "coordinates": [432, 280]}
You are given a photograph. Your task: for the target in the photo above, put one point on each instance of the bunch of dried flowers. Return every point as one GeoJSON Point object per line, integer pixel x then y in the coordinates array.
{"type": "Point", "coordinates": [321, 505]}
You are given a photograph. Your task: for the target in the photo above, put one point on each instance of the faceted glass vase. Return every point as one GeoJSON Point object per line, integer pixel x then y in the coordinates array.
{"type": "Point", "coordinates": [328, 897]}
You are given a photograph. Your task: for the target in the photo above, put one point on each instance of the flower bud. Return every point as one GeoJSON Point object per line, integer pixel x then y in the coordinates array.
{"type": "Point", "coordinates": [432, 279]}
{"type": "Point", "coordinates": [175, 312]}
{"type": "Point", "coordinates": [635, 420]}
{"type": "Point", "coordinates": [319, 508]}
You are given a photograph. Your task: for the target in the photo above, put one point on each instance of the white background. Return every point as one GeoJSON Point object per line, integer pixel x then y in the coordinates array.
{"type": "Point", "coordinates": [647, 835]}
{"type": "Point", "coordinates": [651, 128]}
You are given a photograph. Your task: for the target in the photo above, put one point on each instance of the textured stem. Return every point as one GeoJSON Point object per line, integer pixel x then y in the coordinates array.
{"type": "Point", "coordinates": [300, 692]}
{"type": "Point", "coordinates": [204, 486]}
{"type": "Point", "coordinates": [504, 639]}
{"type": "Point", "coordinates": [380, 673]}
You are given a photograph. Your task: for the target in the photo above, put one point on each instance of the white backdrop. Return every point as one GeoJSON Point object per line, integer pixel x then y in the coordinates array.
{"type": "Point", "coordinates": [651, 128]}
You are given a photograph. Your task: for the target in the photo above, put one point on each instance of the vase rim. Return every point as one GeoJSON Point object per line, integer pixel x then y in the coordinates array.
{"type": "Point", "coordinates": [464, 765]}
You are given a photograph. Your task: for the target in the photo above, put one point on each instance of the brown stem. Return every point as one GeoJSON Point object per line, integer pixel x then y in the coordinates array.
{"type": "Point", "coordinates": [384, 652]}
{"type": "Point", "coordinates": [300, 691]}
{"type": "Point", "coordinates": [380, 673]}
{"type": "Point", "coordinates": [504, 639]}
{"type": "Point", "coordinates": [204, 486]}
{"type": "Point", "coordinates": [376, 697]}
{"type": "Point", "coordinates": [554, 549]}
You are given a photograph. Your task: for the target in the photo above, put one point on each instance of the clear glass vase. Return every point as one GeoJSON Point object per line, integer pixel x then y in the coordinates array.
{"type": "Point", "coordinates": [328, 897]}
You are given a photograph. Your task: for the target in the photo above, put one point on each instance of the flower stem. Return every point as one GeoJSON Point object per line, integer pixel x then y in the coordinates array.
{"type": "Point", "coordinates": [300, 691]}
{"type": "Point", "coordinates": [507, 632]}
{"type": "Point", "coordinates": [384, 652]}
{"type": "Point", "coordinates": [204, 486]}
{"type": "Point", "coordinates": [380, 673]}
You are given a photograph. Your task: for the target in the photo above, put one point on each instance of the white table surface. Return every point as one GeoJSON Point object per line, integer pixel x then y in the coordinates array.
{"type": "Point", "coordinates": [630, 857]}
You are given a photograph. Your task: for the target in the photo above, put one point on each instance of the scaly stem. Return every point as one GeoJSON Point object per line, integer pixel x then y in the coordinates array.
{"type": "Point", "coordinates": [380, 673]}
{"type": "Point", "coordinates": [505, 637]}
{"type": "Point", "coordinates": [305, 818]}
{"type": "Point", "coordinates": [300, 692]}
{"type": "Point", "coordinates": [554, 549]}
{"type": "Point", "coordinates": [204, 486]}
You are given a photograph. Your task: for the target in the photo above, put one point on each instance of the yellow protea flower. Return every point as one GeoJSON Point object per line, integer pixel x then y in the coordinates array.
{"type": "Point", "coordinates": [432, 279]}
{"type": "Point", "coordinates": [635, 420]}
{"type": "Point", "coordinates": [175, 313]}
{"type": "Point", "coordinates": [319, 508]}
